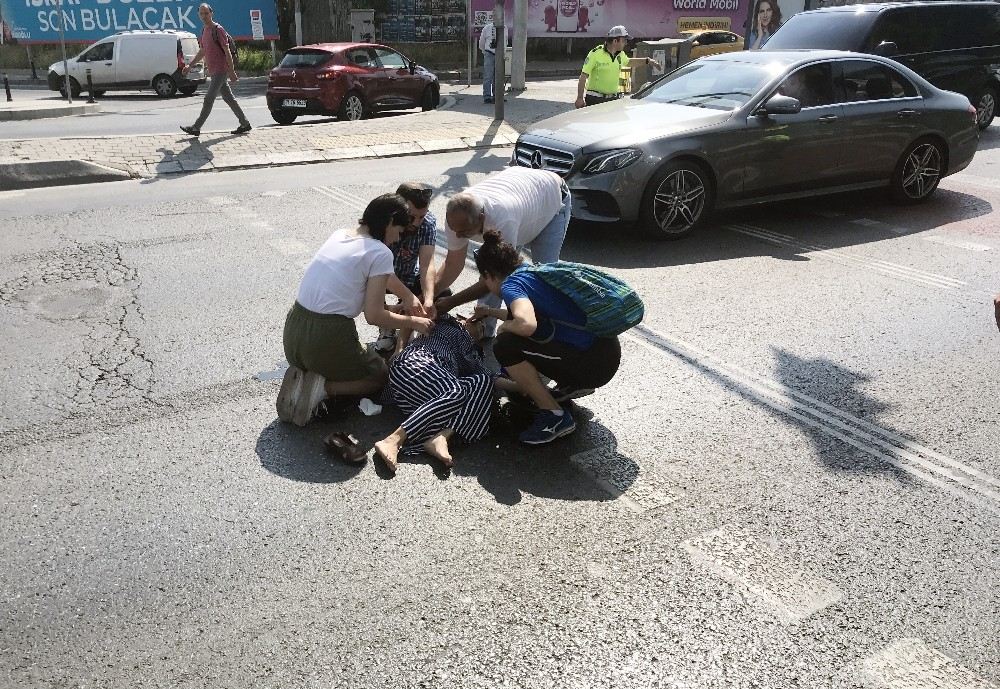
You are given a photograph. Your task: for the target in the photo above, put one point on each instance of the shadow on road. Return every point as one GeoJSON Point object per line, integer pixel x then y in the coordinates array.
{"type": "Point", "coordinates": [825, 221]}
{"type": "Point", "coordinates": [503, 466]}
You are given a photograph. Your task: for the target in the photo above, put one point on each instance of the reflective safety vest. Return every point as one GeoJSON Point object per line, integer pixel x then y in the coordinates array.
{"type": "Point", "coordinates": [603, 70]}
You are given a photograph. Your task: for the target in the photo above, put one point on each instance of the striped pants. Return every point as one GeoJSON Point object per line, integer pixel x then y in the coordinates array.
{"type": "Point", "coordinates": [434, 399]}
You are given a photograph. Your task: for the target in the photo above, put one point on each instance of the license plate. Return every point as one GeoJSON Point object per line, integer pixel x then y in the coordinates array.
{"type": "Point", "coordinates": [293, 103]}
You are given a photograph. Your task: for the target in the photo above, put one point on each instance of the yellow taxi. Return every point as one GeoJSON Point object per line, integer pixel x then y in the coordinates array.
{"type": "Point", "coordinates": [712, 42]}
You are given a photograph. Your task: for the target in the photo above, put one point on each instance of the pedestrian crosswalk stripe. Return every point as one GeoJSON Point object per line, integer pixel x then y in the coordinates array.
{"type": "Point", "coordinates": [774, 583]}
{"type": "Point", "coordinates": [912, 664]}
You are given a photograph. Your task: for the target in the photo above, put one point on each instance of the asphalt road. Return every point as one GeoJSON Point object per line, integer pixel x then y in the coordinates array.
{"type": "Point", "coordinates": [792, 481]}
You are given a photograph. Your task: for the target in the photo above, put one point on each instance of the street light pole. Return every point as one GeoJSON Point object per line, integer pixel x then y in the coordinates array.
{"type": "Point", "coordinates": [62, 42]}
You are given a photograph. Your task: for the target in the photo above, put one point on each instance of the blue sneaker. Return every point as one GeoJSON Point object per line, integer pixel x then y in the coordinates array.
{"type": "Point", "coordinates": [547, 427]}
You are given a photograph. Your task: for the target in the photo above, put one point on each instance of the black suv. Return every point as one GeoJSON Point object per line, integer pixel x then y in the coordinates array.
{"type": "Point", "coordinates": [954, 45]}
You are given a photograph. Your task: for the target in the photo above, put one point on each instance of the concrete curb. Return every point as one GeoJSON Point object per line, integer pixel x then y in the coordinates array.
{"type": "Point", "coordinates": [38, 112]}
{"type": "Point", "coordinates": [53, 173]}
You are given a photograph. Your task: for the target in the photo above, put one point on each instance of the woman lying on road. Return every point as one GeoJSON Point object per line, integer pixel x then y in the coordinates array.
{"type": "Point", "coordinates": [531, 341]}
{"type": "Point", "coordinates": [440, 382]}
{"type": "Point", "coordinates": [348, 275]}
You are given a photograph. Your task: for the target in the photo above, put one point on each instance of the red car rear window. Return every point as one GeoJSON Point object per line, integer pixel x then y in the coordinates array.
{"type": "Point", "coordinates": [304, 57]}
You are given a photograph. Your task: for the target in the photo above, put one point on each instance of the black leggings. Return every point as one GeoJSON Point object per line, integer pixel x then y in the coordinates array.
{"type": "Point", "coordinates": [566, 365]}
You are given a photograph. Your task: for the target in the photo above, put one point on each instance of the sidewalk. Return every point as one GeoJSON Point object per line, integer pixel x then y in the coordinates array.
{"type": "Point", "coordinates": [462, 123]}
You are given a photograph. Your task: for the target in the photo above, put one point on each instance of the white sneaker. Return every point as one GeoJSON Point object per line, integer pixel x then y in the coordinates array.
{"type": "Point", "coordinates": [291, 390]}
{"type": "Point", "coordinates": [386, 341]}
{"type": "Point", "coordinates": [313, 392]}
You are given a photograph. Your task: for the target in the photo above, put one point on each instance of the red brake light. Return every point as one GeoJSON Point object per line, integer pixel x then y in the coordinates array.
{"type": "Point", "coordinates": [331, 73]}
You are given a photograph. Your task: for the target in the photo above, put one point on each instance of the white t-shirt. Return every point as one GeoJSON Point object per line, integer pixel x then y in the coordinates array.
{"type": "Point", "coordinates": [518, 201]}
{"type": "Point", "coordinates": [336, 279]}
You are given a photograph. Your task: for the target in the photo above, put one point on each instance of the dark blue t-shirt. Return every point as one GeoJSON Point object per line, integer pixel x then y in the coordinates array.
{"type": "Point", "coordinates": [549, 303]}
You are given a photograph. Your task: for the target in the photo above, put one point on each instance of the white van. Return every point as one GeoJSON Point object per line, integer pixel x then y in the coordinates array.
{"type": "Point", "coordinates": [134, 60]}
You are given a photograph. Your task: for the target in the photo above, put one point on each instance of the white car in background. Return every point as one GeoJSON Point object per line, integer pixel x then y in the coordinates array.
{"type": "Point", "coordinates": [133, 61]}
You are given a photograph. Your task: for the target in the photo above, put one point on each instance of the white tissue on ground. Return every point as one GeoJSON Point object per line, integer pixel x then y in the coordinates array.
{"type": "Point", "coordinates": [369, 408]}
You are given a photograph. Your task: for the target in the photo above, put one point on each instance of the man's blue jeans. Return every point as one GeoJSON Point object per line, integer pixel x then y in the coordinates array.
{"type": "Point", "coordinates": [489, 69]}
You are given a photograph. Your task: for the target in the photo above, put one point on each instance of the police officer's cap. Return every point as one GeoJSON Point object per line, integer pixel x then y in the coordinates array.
{"type": "Point", "coordinates": [618, 32]}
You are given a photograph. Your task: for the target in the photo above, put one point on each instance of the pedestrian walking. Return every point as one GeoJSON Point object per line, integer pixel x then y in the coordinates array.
{"type": "Point", "coordinates": [413, 263]}
{"type": "Point", "coordinates": [528, 207]}
{"type": "Point", "coordinates": [600, 79]}
{"type": "Point", "coordinates": [546, 331]}
{"type": "Point", "coordinates": [214, 47]}
{"type": "Point", "coordinates": [347, 277]}
{"type": "Point", "coordinates": [488, 47]}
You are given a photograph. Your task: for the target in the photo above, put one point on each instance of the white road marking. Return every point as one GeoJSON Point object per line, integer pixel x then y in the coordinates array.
{"type": "Point", "coordinates": [342, 196]}
{"type": "Point", "coordinates": [868, 222]}
{"type": "Point", "coordinates": [623, 479]}
{"type": "Point", "coordinates": [912, 664]}
{"type": "Point", "coordinates": [895, 270]}
{"type": "Point", "coordinates": [787, 591]}
{"type": "Point", "coordinates": [931, 466]}
{"type": "Point", "coordinates": [958, 243]}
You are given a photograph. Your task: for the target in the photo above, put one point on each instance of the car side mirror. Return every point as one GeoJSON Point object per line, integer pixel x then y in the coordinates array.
{"type": "Point", "coordinates": [779, 105]}
{"type": "Point", "coordinates": [886, 49]}
{"type": "Point", "coordinates": [413, 66]}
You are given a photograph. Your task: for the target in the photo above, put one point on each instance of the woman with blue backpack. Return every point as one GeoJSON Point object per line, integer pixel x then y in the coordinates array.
{"type": "Point", "coordinates": [562, 321]}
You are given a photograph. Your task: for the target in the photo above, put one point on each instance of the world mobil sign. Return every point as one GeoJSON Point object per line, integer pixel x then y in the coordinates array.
{"type": "Point", "coordinates": [37, 21]}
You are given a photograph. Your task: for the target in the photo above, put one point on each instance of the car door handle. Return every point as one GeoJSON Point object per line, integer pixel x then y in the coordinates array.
{"type": "Point", "coordinates": [108, 64]}
{"type": "Point", "coordinates": [903, 114]}
{"type": "Point", "coordinates": [827, 119]}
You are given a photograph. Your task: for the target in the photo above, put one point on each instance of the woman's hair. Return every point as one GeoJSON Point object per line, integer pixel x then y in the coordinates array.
{"type": "Point", "coordinates": [385, 210]}
{"type": "Point", "coordinates": [775, 15]}
{"type": "Point", "coordinates": [416, 193]}
{"type": "Point", "coordinates": [496, 257]}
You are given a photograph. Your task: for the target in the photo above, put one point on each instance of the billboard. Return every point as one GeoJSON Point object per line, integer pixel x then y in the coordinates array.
{"type": "Point", "coordinates": [642, 18]}
{"type": "Point", "coordinates": [423, 21]}
{"type": "Point", "coordinates": [37, 21]}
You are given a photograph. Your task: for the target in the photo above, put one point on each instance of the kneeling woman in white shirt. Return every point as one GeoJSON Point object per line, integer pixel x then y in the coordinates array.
{"type": "Point", "coordinates": [348, 276]}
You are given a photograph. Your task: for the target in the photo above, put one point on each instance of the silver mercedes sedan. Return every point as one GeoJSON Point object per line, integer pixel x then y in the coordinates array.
{"type": "Point", "coordinates": [744, 128]}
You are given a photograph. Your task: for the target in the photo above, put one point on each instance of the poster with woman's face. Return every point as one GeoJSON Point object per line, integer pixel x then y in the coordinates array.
{"type": "Point", "coordinates": [765, 18]}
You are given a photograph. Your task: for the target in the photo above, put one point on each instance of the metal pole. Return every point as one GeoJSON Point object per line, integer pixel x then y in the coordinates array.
{"type": "Point", "coordinates": [90, 88]}
{"type": "Point", "coordinates": [298, 22]}
{"type": "Point", "coordinates": [470, 34]}
{"type": "Point", "coordinates": [500, 58]}
{"type": "Point", "coordinates": [31, 61]}
{"type": "Point", "coordinates": [62, 43]}
{"type": "Point", "coordinates": [519, 59]}
{"type": "Point", "coordinates": [274, 53]}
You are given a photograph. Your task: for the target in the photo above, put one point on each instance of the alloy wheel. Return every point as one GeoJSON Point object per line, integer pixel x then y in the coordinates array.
{"type": "Point", "coordinates": [354, 108]}
{"type": "Point", "coordinates": [679, 201]}
{"type": "Point", "coordinates": [921, 171]}
{"type": "Point", "coordinates": [986, 110]}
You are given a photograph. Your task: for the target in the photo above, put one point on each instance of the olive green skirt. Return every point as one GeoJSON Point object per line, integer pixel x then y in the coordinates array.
{"type": "Point", "coordinates": [327, 344]}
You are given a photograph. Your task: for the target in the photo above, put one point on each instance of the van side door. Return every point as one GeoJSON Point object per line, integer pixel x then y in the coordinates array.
{"type": "Point", "coordinates": [100, 60]}
{"type": "Point", "coordinates": [883, 114]}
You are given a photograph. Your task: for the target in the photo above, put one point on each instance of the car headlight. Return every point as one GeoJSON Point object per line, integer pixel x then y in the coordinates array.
{"type": "Point", "coordinates": [608, 161]}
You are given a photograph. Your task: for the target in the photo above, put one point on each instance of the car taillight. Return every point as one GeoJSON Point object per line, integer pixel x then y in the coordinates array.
{"type": "Point", "coordinates": [331, 74]}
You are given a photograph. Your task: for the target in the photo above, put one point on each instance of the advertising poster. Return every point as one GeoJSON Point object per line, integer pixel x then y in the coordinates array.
{"type": "Point", "coordinates": [642, 18]}
{"type": "Point", "coordinates": [424, 21]}
{"type": "Point", "coordinates": [86, 21]}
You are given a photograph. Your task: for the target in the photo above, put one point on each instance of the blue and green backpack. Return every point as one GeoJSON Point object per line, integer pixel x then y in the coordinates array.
{"type": "Point", "coordinates": [611, 306]}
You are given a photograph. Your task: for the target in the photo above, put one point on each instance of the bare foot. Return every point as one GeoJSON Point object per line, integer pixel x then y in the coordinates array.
{"type": "Point", "coordinates": [388, 452]}
{"type": "Point", "coordinates": [437, 447]}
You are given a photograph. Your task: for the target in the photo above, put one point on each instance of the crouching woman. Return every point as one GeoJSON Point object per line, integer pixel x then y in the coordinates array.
{"type": "Point", "coordinates": [348, 276]}
{"type": "Point", "coordinates": [542, 333]}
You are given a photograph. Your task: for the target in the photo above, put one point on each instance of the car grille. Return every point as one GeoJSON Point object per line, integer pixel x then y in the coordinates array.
{"type": "Point", "coordinates": [530, 155]}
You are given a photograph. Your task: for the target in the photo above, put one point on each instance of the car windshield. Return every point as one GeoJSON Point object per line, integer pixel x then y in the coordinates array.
{"type": "Point", "coordinates": [305, 58]}
{"type": "Point", "coordinates": [710, 84]}
{"type": "Point", "coordinates": [822, 31]}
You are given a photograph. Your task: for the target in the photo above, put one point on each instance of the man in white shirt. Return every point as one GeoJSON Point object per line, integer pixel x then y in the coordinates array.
{"type": "Point", "coordinates": [530, 208]}
{"type": "Point", "coordinates": [487, 45]}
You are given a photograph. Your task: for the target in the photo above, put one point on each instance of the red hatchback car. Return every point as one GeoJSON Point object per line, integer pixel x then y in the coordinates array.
{"type": "Point", "coordinates": [350, 80]}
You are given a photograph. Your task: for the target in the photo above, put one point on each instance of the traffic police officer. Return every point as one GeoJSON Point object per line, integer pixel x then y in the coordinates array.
{"type": "Point", "coordinates": [599, 81]}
